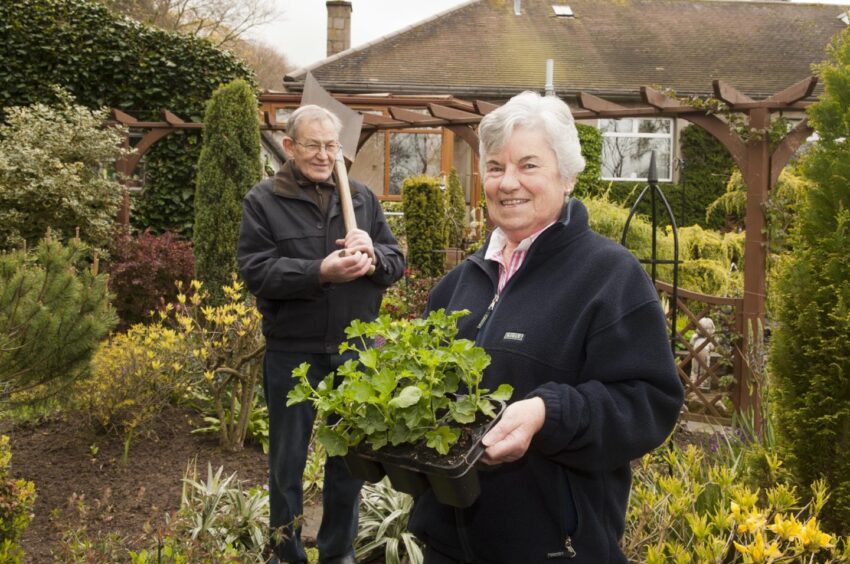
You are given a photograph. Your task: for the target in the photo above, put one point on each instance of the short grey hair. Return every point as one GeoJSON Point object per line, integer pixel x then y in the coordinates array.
{"type": "Point", "coordinates": [548, 114]}
{"type": "Point", "coordinates": [309, 113]}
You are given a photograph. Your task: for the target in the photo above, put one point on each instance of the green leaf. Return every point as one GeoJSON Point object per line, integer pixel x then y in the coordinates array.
{"type": "Point", "coordinates": [485, 407]}
{"type": "Point", "coordinates": [360, 391]}
{"type": "Point", "coordinates": [369, 358]}
{"type": "Point", "coordinates": [335, 443]}
{"type": "Point", "coordinates": [463, 411]}
{"type": "Point", "coordinates": [408, 396]}
{"type": "Point", "coordinates": [384, 382]}
{"type": "Point", "coordinates": [442, 438]}
{"type": "Point", "coordinates": [503, 392]}
{"type": "Point", "coordinates": [373, 421]}
{"type": "Point", "coordinates": [298, 394]}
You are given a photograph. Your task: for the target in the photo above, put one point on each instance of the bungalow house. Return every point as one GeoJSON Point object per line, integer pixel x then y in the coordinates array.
{"type": "Point", "coordinates": [490, 50]}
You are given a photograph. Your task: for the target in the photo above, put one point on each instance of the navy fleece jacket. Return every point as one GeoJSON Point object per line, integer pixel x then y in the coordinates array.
{"type": "Point", "coordinates": [580, 326]}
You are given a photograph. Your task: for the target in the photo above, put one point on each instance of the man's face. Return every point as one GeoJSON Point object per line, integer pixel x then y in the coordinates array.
{"type": "Point", "coordinates": [314, 152]}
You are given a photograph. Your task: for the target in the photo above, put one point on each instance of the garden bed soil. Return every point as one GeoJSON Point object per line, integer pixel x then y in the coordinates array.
{"type": "Point", "coordinates": [81, 481]}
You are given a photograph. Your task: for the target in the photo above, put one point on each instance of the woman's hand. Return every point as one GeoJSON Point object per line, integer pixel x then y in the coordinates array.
{"type": "Point", "coordinates": [508, 440]}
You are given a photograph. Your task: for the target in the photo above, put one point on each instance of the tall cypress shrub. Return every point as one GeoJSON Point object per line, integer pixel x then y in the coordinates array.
{"type": "Point", "coordinates": [423, 222]}
{"type": "Point", "coordinates": [707, 169]}
{"type": "Point", "coordinates": [589, 181]}
{"type": "Point", "coordinates": [227, 168]}
{"type": "Point", "coordinates": [810, 357]}
{"type": "Point", "coordinates": [456, 210]}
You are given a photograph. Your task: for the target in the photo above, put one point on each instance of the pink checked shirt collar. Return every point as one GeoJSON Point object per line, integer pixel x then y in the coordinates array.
{"type": "Point", "coordinates": [497, 245]}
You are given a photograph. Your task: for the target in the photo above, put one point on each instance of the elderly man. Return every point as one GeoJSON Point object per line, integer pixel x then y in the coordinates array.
{"type": "Point", "coordinates": [311, 279]}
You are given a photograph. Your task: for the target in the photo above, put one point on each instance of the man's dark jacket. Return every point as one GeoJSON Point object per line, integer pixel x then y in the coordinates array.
{"type": "Point", "coordinates": [283, 239]}
{"type": "Point", "coordinates": [579, 325]}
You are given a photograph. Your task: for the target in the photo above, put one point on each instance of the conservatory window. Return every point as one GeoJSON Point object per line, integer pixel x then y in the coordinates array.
{"type": "Point", "coordinates": [627, 145]}
{"type": "Point", "coordinates": [411, 154]}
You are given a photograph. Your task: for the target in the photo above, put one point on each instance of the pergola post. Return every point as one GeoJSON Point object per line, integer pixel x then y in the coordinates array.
{"type": "Point", "coordinates": [757, 180]}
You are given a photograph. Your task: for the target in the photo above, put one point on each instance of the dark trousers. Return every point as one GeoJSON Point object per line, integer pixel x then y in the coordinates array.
{"type": "Point", "coordinates": [289, 437]}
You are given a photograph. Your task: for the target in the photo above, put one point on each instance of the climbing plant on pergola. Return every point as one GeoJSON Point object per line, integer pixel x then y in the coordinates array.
{"type": "Point", "coordinates": [759, 158]}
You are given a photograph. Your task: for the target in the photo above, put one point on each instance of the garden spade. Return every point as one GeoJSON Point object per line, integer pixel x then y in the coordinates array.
{"type": "Point", "coordinates": [352, 121]}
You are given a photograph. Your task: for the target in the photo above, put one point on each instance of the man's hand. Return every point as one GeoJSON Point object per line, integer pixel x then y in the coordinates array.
{"type": "Point", "coordinates": [508, 440]}
{"type": "Point", "coordinates": [358, 240]}
{"type": "Point", "coordinates": [343, 266]}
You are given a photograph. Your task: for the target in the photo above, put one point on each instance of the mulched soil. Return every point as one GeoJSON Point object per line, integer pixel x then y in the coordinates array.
{"type": "Point", "coordinates": [73, 468]}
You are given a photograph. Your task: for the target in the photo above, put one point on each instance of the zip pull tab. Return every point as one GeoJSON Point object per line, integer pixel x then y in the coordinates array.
{"type": "Point", "coordinates": [568, 547]}
{"type": "Point", "coordinates": [489, 310]}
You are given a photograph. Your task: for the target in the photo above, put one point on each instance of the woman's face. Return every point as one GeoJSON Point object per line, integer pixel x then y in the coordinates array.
{"type": "Point", "coordinates": [523, 186]}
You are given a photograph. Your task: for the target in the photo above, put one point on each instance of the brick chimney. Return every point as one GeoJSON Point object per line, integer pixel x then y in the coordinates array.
{"type": "Point", "coordinates": [339, 26]}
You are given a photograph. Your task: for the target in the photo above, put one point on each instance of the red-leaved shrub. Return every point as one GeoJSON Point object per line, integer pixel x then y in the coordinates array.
{"type": "Point", "coordinates": [144, 271]}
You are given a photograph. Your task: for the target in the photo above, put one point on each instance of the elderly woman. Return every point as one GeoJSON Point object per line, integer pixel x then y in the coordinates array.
{"type": "Point", "coordinates": [573, 323]}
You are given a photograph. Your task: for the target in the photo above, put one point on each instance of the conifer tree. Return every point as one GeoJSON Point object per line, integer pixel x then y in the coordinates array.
{"type": "Point", "coordinates": [53, 312]}
{"type": "Point", "coordinates": [424, 211]}
{"type": "Point", "coordinates": [810, 357]}
{"type": "Point", "coordinates": [227, 168]}
{"type": "Point", "coordinates": [456, 210]}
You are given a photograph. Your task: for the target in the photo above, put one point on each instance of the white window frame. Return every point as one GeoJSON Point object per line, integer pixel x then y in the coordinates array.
{"type": "Point", "coordinates": [663, 175]}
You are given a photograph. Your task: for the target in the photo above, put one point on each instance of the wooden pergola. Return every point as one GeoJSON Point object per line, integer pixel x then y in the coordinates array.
{"type": "Point", "coordinates": [759, 158]}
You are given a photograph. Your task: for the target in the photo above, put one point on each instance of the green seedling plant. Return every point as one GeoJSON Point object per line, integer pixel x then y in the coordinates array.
{"type": "Point", "coordinates": [412, 380]}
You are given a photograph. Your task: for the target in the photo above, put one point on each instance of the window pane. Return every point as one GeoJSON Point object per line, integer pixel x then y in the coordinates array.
{"type": "Point", "coordinates": [412, 154]}
{"type": "Point", "coordinates": [654, 126]}
{"type": "Point", "coordinates": [616, 125]}
{"type": "Point", "coordinates": [628, 157]}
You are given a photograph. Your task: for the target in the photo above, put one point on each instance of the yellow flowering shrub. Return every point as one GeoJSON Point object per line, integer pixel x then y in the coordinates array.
{"type": "Point", "coordinates": [17, 498]}
{"type": "Point", "coordinates": [687, 508]}
{"type": "Point", "coordinates": [134, 375]}
{"type": "Point", "coordinates": [226, 349]}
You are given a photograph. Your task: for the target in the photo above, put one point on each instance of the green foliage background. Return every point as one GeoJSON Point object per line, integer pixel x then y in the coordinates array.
{"type": "Point", "coordinates": [106, 60]}
{"type": "Point", "coordinates": [53, 312]}
{"type": "Point", "coordinates": [456, 211]}
{"type": "Point", "coordinates": [52, 175]}
{"type": "Point", "coordinates": [589, 181]}
{"type": "Point", "coordinates": [424, 211]}
{"type": "Point", "coordinates": [810, 356]}
{"type": "Point", "coordinates": [228, 166]}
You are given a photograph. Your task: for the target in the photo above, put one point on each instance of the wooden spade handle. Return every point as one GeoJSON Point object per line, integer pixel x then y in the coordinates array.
{"type": "Point", "coordinates": [344, 189]}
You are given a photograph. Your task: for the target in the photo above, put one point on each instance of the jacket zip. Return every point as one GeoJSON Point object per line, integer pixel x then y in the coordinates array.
{"type": "Point", "coordinates": [568, 552]}
{"type": "Point", "coordinates": [488, 311]}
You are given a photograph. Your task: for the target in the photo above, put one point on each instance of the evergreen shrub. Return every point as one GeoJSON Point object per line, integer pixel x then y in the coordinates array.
{"type": "Point", "coordinates": [711, 262]}
{"type": "Point", "coordinates": [394, 213]}
{"type": "Point", "coordinates": [53, 312]}
{"type": "Point", "coordinates": [423, 223]}
{"type": "Point", "coordinates": [810, 356]}
{"type": "Point", "coordinates": [707, 169]}
{"type": "Point", "coordinates": [17, 500]}
{"type": "Point", "coordinates": [456, 217]}
{"type": "Point", "coordinates": [228, 167]}
{"type": "Point", "coordinates": [104, 59]}
{"type": "Point", "coordinates": [143, 271]}
{"type": "Point", "coordinates": [134, 376]}
{"type": "Point", "coordinates": [52, 163]}
{"type": "Point", "coordinates": [589, 181]}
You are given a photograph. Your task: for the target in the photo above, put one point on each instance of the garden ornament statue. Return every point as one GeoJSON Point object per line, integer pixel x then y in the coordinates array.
{"type": "Point", "coordinates": [703, 346]}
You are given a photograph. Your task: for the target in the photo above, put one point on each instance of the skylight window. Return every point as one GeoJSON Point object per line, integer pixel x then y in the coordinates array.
{"type": "Point", "coordinates": [563, 11]}
{"type": "Point", "coordinates": [845, 17]}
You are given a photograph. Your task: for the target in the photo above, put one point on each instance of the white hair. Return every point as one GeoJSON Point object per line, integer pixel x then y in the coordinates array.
{"type": "Point", "coordinates": [547, 114]}
{"type": "Point", "coordinates": [309, 113]}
